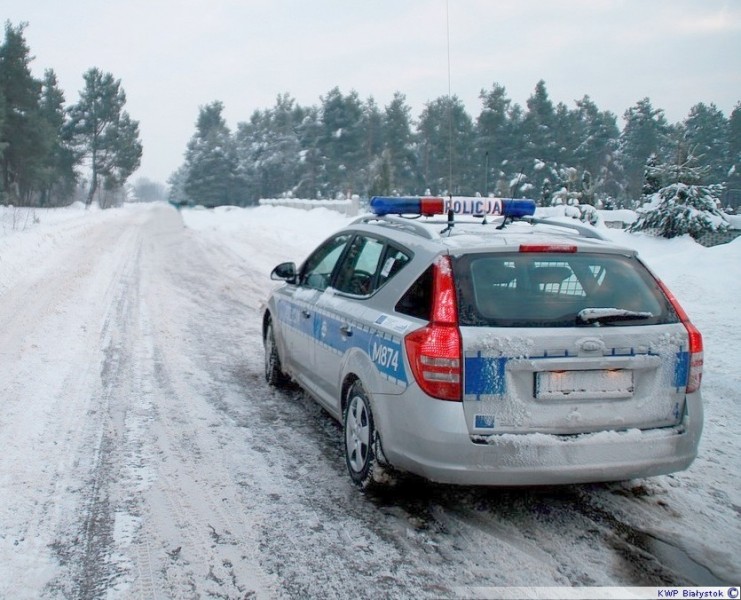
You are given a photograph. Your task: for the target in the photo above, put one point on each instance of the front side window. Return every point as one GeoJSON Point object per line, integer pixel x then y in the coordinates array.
{"type": "Point", "coordinates": [316, 272]}
{"type": "Point", "coordinates": [557, 290]}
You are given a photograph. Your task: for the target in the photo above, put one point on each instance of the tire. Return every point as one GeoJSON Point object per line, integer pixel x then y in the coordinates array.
{"type": "Point", "coordinates": [274, 374]}
{"type": "Point", "coordinates": [362, 443]}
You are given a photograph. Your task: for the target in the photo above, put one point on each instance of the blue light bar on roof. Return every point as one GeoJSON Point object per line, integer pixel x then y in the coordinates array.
{"type": "Point", "coordinates": [460, 205]}
{"type": "Point", "coordinates": [415, 205]}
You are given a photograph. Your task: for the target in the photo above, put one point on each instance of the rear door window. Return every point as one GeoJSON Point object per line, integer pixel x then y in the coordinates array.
{"type": "Point", "coordinates": [417, 300]}
{"type": "Point", "coordinates": [368, 264]}
{"type": "Point", "coordinates": [557, 290]}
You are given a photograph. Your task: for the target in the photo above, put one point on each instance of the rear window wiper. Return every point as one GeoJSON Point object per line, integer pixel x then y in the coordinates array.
{"type": "Point", "coordinates": [589, 316]}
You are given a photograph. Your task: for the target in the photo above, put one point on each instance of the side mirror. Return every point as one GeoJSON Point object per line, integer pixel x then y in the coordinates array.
{"type": "Point", "coordinates": [284, 272]}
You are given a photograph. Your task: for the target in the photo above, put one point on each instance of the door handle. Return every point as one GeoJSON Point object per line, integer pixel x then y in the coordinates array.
{"type": "Point", "coordinates": [305, 314]}
{"type": "Point", "coordinates": [346, 330]}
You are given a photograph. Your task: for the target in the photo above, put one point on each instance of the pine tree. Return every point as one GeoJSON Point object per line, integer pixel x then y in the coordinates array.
{"type": "Point", "coordinates": [733, 166]}
{"type": "Point", "coordinates": [374, 133]}
{"type": "Point", "coordinates": [705, 131]}
{"type": "Point", "coordinates": [22, 136]}
{"type": "Point", "coordinates": [3, 143]}
{"type": "Point", "coordinates": [539, 145]}
{"type": "Point", "coordinates": [400, 145]}
{"type": "Point", "coordinates": [311, 166]}
{"type": "Point", "coordinates": [58, 179]}
{"type": "Point", "coordinates": [566, 135]}
{"type": "Point", "coordinates": [496, 139]}
{"type": "Point", "coordinates": [211, 162]}
{"type": "Point", "coordinates": [539, 125]}
{"type": "Point", "coordinates": [102, 131]}
{"type": "Point", "coordinates": [268, 150]}
{"type": "Point", "coordinates": [682, 205]}
{"type": "Point", "coordinates": [734, 133]}
{"type": "Point", "coordinates": [646, 132]}
{"type": "Point", "coordinates": [596, 142]}
{"type": "Point", "coordinates": [342, 143]}
{"type": "Point", "coordinates": [177, 195]}
{"type": "Point", "coordinates": [446, 137]}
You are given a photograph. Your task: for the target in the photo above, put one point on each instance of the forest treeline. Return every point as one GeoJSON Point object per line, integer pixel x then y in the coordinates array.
{"type": "Point", "coordinates": [50, 154]}
{"type": "Point", "coordinates": [545, 151]}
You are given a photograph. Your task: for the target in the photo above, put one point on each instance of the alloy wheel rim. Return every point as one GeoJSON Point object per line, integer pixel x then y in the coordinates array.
{"type": "Point", "coordinates": [357, 434]}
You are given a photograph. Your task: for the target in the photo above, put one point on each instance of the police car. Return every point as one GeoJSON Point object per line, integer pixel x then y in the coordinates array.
{"type": "Point", "coordinates": [466, 341]}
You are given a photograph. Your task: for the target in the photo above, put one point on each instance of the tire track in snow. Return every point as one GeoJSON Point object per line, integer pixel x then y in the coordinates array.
{"type": "Point", "coordinates": [58, 414]}
{"type": "Point", "coordinates": [648, 558]}
{"type": "Point", "coordinates": [93, 568]}
{"type": "Point", "coordinates": [192, 515]}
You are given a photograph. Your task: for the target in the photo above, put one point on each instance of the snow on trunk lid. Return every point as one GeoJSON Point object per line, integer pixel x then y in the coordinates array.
{"type": "Point", "coordinates": [566, 382]}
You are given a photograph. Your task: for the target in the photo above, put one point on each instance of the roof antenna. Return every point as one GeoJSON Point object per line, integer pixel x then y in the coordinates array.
{"type": "Point", "coordinates": [450, 106]}
{"type": "Point", "coordinates": [486, 181]}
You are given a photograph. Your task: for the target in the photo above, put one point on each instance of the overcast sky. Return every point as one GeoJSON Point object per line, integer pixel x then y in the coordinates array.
{"type": "Point", "coordinates": [173, 56]}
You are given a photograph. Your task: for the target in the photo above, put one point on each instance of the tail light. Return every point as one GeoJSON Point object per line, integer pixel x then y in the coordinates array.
{"type": "Point", "coordinates": [434, 351]}
{"type": "Point", "coordinates": [694, 375]}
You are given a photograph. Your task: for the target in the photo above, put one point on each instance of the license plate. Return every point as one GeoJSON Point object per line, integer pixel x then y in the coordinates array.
{"type": "Point", "coordinates": [601, 384]}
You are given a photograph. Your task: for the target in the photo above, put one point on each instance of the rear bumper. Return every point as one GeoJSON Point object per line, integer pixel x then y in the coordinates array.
{"type": "Point", "coordinates": [430, 438]}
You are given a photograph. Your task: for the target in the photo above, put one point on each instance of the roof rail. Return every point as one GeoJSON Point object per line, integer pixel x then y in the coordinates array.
{"type": "Point", "coordinates": [422, 229]}
{"type": "Point", "coordinates": [409, 225]}
{"type": "Point", "coordinates": [583, 230]}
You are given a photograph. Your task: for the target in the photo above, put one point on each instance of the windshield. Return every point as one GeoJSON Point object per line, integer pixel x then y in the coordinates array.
{"type": "Point", "coordinates": [558, 290]}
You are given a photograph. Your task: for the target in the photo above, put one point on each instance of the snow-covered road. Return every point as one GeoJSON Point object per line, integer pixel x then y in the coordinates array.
{"type": "Point", "coordinates": [142, 455]}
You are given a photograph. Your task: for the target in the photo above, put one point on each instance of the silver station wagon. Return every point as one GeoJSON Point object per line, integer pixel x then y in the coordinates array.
{"type": "Point", "coordinates": [488, 347]}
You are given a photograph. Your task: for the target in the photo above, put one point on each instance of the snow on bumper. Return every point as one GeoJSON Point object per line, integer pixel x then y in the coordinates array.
{"type": "Point", "coordinates": [430, 438]}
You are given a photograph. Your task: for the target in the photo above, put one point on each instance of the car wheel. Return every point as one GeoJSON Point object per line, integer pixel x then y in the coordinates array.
{"type": "Point", "coordinates": [362, 445]}
{"type": "Point", "coordinates": [274, 374]}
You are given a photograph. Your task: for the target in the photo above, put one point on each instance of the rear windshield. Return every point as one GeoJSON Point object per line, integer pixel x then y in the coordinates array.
{"type": "Point", "coordinates": [557, 290]}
